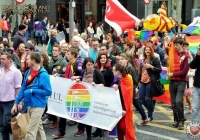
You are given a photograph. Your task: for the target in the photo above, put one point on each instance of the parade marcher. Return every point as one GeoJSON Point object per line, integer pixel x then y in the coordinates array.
{"type": "Point", "coordinates": [30, 24]}
{"type": "Point", "coordinates": [125, 126]}
{"type": "Point", "coordinates": [113, 50]}
{"type": "Point", "coordinates": [90, 30]}
{"type": "Point", "coordinates": [133, 70]}
{"type": "Point", "coordinates": [33, 42]}
{"type": "Point", "coordinates": [19, 36]}
{"type": "Point", "coordinates": [196, 89]}
{"type": "Point", "coordinates": [104, 48]}
{"type": "Point", "coordinates": [150, 68]}
{"type": "Point", "coordinates": [35, 89]}
{"type": "Point", "coordinates": [138, 47]}
{"type": "Point", "coordinates": [64, 48]}
{"type": "Point", "coordinates": [22, 56]}
{"type": "Point", "coordinates": [178, 80]}
{"type": "Point", "coordinates": [72, 72]}
{"type": "Point", "coordinates": [93, 52]}
{"type": "Point", "coordinates": [95, 77]}
{"type": "Point", "coordinates": [58, 65]}
{"type": "Point", "coordinates": [10, 83]}
{"type": "Point", "coordinates": [4, 45]}
{"type": "Point", "coordinates": [128, 48]}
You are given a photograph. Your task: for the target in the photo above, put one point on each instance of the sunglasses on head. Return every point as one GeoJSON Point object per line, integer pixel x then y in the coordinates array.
{"type": "Point", "coordinates": [7, 50]}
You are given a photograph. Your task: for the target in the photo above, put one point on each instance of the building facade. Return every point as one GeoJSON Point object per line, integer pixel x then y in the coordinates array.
{"type": "Point", "coordinates": [86, 10]}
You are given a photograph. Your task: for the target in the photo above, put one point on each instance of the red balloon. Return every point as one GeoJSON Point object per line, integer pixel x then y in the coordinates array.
{"type": "Point", "coordinates": [147, 1]}
{"type": "Point", "coordinates": [19, 1]}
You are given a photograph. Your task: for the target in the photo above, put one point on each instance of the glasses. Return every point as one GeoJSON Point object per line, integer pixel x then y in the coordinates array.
{"type": "Point", "coordinates": [95, 45]}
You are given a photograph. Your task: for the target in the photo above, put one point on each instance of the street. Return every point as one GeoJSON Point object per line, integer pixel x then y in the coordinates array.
{"type": "Point", "coordinates": [159, 129]}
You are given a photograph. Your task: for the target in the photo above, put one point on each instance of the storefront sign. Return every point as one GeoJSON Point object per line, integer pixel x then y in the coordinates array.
{"type": "Point", "coordinates": [82, 102]}
{"type": "Point", "coordinates": [25, 9]}
{"type": "Point", "coordinates": [19, 1]}
{"type": "Point", "coordinates": [147, 1]}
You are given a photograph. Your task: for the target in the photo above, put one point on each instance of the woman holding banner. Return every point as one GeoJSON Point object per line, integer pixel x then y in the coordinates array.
{"type": "Point", "coordinates": [125, 125]}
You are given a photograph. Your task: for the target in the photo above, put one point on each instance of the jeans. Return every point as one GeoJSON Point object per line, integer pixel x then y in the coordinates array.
{"type": "Point", "coordinates": [44, 36]}
{"type": "Point", "coordinates": [195, 104]}
{"type": "Point", "coordinates": [177, 89]}
{"type": "Point", "coordinates": [62, 126]}
{"type": "Point", "coordinates": [145, 98]}
{"type": "Point", "coordinates": [81, 126]}
{"type": "Point", "coordinates": [5, 119]}
{"type": "Point", "coordinates": [26, 34]}
{"type": "Point", "coordinates": [139, 107]}
{"type": "Point", "coordinates": [4, 33]}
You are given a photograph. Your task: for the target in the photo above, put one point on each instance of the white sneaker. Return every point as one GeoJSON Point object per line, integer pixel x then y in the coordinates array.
{"type": "Point", "coordinates": [47, 122]}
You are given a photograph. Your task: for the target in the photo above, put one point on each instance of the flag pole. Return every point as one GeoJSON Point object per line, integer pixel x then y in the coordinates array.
{"type": "Point", "coordinates": [71, 18]}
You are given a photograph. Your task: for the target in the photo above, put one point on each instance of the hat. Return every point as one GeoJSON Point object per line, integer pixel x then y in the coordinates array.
{"type": "Point", "coordinates": [22, 27]}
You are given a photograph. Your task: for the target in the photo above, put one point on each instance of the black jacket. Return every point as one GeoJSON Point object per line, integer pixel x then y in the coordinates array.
{"type": "Point", "coordinates": [18, 38]}
{"type": "Point", "coordinates": [156, 70]}
{"type": "Point", "coordinates": [108, 75]}
{"type": "Point", "coordinates": [195, 65]}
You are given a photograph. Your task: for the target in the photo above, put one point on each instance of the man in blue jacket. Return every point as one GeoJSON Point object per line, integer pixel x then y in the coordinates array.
{"type": "Point", "coordinates": [35, 90]}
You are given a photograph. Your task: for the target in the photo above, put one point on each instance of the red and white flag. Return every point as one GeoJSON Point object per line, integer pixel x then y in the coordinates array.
{"type": "Point", "coordinates": [118, 17]}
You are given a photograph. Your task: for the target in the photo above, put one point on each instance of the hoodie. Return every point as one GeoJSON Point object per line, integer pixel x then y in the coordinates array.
{"type": "Point", "coordinates": [184, 67]}
{"type": "Point", "coordinates": [38, 26]}
{"type": "Point", "coordinates": [36, 93]}
{"type": "Point", "coordinates": [57, 65]}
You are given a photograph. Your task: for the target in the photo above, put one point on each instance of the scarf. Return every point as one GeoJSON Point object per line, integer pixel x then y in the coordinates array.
{"type": "Point", "coordinates": [69, 70]}
{"type": "Point", "coordinates": [127, 87]}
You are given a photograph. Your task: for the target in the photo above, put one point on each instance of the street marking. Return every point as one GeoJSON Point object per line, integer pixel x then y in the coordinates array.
{"type": "Point", "coordinates": [156, 135]}
{"type": "Point", "coordinates": [167, 127]}
{"type": "Point", "coordinates": [166, 112]}
{"type": "Point", "coordinates": [166, 121]}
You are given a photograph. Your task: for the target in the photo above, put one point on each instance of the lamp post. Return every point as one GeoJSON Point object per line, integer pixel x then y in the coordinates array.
{"type": "Point", "coordinates": [72, 5]}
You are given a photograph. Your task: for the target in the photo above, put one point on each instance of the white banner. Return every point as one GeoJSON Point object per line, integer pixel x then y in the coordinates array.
{"type": "Point", "coordinates": [92, 105]}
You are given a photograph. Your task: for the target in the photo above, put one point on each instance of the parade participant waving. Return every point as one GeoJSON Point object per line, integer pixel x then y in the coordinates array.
{"type": "Point", "coordinates": [125, 125]}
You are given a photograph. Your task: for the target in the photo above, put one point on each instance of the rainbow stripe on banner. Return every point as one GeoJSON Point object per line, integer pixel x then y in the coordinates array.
{"type": "Point", "coordinates": [194, 42]}
{"type": "Point", "coordinates": [166, 97]}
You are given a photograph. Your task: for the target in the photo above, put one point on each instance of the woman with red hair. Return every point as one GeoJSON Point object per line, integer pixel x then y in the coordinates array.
{"type": "Point", "coordinates": [150, 67]}
{"type": "Point", "coordinates": [103, 64]}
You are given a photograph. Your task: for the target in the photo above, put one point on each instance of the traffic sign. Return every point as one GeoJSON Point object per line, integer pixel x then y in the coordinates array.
{"type": "Point", "coordinates": [19, 1]}
{"type": "Point", "coordinates": [147, 1]}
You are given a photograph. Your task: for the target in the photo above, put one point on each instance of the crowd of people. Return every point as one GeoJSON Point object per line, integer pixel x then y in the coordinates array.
{"type": "Point", "coordinates": [103, 60]}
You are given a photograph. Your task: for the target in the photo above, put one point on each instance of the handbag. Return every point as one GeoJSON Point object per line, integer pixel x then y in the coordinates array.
{"type": "Point", "coordinates": [19, 125]}
{"type": "Point", "coordinates": [156, 87]}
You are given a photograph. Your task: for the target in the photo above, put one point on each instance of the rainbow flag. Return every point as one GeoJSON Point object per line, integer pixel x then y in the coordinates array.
{"type": "Point", "coordinates": [145, 34]}
{"type": "Point", "coordinates": [164, 80]}
{"type": "Point", "coordinates": [194, 42]}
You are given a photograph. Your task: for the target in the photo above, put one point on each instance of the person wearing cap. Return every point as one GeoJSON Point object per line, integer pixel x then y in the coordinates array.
{"type": "Point", "coordinates": [19, 36]}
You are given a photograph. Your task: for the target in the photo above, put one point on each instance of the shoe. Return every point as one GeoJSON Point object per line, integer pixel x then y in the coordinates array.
{"type": "Point", "coordinates": [79, 133]}
{"type": "Point", "coordinates": [95, 134]}
{"type": "Point", "coordinates": [144, 122]}
{"type": "Point", "coordinates": [101, 138]}
{"type": "Point", "coordinates": [45, 122]}
{"type": "Point", "coordinates": [54, 125]}
{"type": "Point", "coordinates": [58, 135]}
{"type": "Point", "coordinates": [181, 125]}
{"type": "Point", "coordinates": [175, 124]}
{"type": "Point", "coordinates": [71, 123]}
{"type": "Point", "coordinates": [150, 119]}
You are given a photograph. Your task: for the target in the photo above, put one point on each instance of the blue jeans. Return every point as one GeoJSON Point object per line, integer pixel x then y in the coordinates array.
{"type": "Point", "coordinates": [145, 98]}
{"type": "Point", "coordinates": [195, 104]}
{"type": "Point", "coordinates": [26, 34]}
{"type": "Point", "coordinates": [5, 119]}
{"type": "Point", "coordinates": [44, 36]}
{"type": "Point", "coordinates": [139, 107]}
